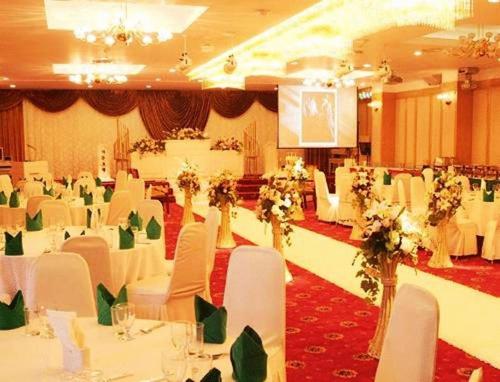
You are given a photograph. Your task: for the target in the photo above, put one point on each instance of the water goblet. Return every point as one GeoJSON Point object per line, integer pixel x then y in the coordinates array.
{"type": "Point", "coordinates": [173, 366]}
{"type": "Point", "coordinates": [123, 222]}
{"type": "Point", "coordinates": [179, 334]}
{"type": "Point", "coordinates": [46, 330]}
{"type": "Point", "coordinates": [31, 322]}
{"type": "Point", "coordinates": [125, 316]}
{"type": "Point", "coordinates": [198, 365]}
{"type": "Point", "coordinates": [196, 338]}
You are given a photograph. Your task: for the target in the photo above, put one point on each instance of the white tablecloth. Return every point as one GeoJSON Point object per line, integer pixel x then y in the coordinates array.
{"type": "Point", "coordinates": [129, 265]}
{"type": "Point", "coordinates": [17, 216]}
{"type": "Point", "coordinates": [33, 359]}
{"type": "Point", "coordinates": [481, 212]}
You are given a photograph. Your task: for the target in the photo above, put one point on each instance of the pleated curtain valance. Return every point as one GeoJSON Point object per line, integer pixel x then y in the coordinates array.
{"type": "Point", "coordinates": [160, 110]}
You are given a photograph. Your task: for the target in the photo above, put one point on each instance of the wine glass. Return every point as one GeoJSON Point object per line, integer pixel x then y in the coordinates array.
{"type": "Point", "coordinates": [46, 330]}
{"type": "Point", "coordinates": [173, 366]}
{"type": "Point", "coordinates": [179, 334]}
{"type": "Point", "coordinates": [196, 338]}
{"type": "Point", "coordinates": [198, 366]}
{"type": "Point", "coordinates": [123, 222]}
{"type": "Point", "coordinates": [125, 317]}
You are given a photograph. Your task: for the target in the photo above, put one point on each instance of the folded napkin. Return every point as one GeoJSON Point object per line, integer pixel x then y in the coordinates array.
{"type": "Point", "coordinates": [82, 233]}
{"type": "Point", "coordinates": [248, 357]}
{"type": "Point", "coordinates": [214, 320]}
{"type": "Point", "coordinates": [35, 223]}
{"type": "Point", "coordinates": [59, 197]}
{"type": "Point", "coordinates": [98, 182]}
{"type": "Point", "coordinates": [387, 179]}
{"type": "Point", "coordinates": [153, 229]}
{"type": "Point", "coordinates": [107, 195]}
{"type": "Point", "coordinates": [135, 220]}
{"type": "Point", "coordinates": [14, 244]}
{"type": "Point", "coordinates": [14, 200]}
{"type": "Point", "coordinates": [91, 217]}
{"type": "Point", "coordinates": [473, 181]}
{"type": "Point", "coordinates": [12, 315]}
{"type": "Point", "coordinates": [49, 192]}
{"type": "Point", "coordinates": [126, 238]}
{"type": "Point", "coordinates": [488, 196]}
{"type": "Point", "coordinates": [490, 184]}
{"type": "Point", "coordinates": [67, 181]}
{"type": "Point", "coordinates": [88, 199]}
{"type": "Point", "coordinates": [105, 300]}
{"type": "Point", "coordinates": [83, 191]}
{"type": "Point", "coordinates": [214, 375]}
{"type": "Point", "coordinates": [66, 235]}
{"type": "Point", "coordinates": [3, 198]}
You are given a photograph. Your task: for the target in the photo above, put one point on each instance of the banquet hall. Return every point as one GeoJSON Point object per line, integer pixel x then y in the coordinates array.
{"type": "Point", "coordinates": [249, 191]}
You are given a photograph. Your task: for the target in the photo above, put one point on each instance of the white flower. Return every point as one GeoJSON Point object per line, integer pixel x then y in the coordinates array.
{"type": "Point", "coordinates": [394, 237]}
{"type": "Point", "coordinates": [407, 245]}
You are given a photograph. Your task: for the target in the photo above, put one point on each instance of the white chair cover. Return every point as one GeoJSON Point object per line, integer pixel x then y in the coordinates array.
{"type": "Point", "coordinates": [402, 194]}
{"type": "Point", "coordinates": [428, 174]}
{"type": "Point", "coordinates": [121, 181]}
{"type": "Point", "coordinates": [120, 207]}
{"type": "Point", "coordinates": [409, 349]}
{"type": "Point", "coordinates": [95, 252]}
{"type": "Point", "coordinates": [326, 204]}
{"type": "Point", "coordinates": [343, 185]}
{"type": "Point", "coordinates": [32, 188]}
{"type": "Point", "coordinates": [460, 235]}
{"type": "Point", "coordinates": [212, 224]}
{"type": "Point", "coordinates": [378, 174]}
{"type": "Point", "coordinates": [33, 204]}
{"type": "Point", "coordinates": [149, 208]}
{"type": "Point", "coordinates": [465, 183]}
{"type": "Point", "coordinates": [255, 295]}
{"type": "Point", "coordinates": [172, 297]}
{"type": "Point", "coordinates": [62, 281]}
{"type": "Point", "coordinates": [85, 174]}
{"type": "Point", "coordinates": [418, 196]}
{"type": "Point", "coordinates": [6, 185]}
{"type": "Point", "coordinates": [491, 243]}
{"type": "Point", "coordinates": [85, 182]}
{"type": "Point", "coordinates": [149, 192]}
{"type": "Point", "coordinates": [405, 179]}
{"type": "Point", "coordinates": [137, 189]}
{"type": "Point", "coordinates": [55, 212]}
{"type": "Point", "coordinates": [477, 375]}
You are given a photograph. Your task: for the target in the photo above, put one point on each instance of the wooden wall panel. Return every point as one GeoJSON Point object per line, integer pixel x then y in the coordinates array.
{"type": "Point", "coordinates": [410, 134]}
{"type": "Point", "coordinates": [423, 129]}
{"type": "Point", "coordinates": [400, 133]}
{"type": "Point", "coordinates": [493, 152]}
{"type": "Point", "coordinates": [479, 126]}
{"type": "Point", "coordinates": [435, 133]}
{"type": "Point", "coordinates": [448, 129]}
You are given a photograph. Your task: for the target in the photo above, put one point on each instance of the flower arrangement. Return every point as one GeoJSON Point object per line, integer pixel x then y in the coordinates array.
{"type": "Point", "coordinates": [222, 189]}
{"type": "Point", "coordinates": [186, 133]}
{"type": "Point", "coordinates": [362, 190]}
{"type": "Point", "coordinates": [294, 168]}
{"type": "Point", "coordinates": [445, 199]}
{"type": "Point", "coordinates": [226, 144]}
{"type": "Point", "coordinates": [188, 179]}
{"type": "Point", "coordinates": [278, 200]}
{"type": "Point", "coordinates": [390, 236]}
{"type": "Point", "coordinates": [148, 145]}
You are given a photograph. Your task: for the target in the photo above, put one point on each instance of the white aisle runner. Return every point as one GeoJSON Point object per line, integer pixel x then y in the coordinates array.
{"type": "Point", "coordinates": [469, 319]}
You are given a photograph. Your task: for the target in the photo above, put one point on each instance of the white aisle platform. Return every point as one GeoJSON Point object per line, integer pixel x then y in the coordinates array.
{"type": "Point", "coordinates": [468, 318]}
{"type": "Point", "coordinates": [168, 164]}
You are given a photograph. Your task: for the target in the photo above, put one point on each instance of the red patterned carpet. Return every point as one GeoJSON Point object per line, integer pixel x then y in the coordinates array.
{"type": "Point", "coordinates": [328, 328]}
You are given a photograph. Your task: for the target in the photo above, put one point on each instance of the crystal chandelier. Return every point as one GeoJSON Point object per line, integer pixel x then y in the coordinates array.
{"type": "Point", "coordinates": [103, 71]}
{"type": "Point", "coordinates": [122, 29]}
{"type": "Point", "coordinates": [487, 45]}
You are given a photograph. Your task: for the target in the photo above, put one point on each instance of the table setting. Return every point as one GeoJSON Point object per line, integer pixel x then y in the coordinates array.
{"type": "Point", "coordinates": [481, 207]}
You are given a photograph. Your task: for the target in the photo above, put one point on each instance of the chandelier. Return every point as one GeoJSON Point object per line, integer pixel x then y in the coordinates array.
{"type": "Point", "coordinates": [487, 45]}
{"type": "Point", "coordinates": [122, 29]}
{"type": "Point", "coordinates": [102, 71]}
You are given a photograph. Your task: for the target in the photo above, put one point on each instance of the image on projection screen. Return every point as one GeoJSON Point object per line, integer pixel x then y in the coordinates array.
{"type": "Point", "coordinates": [312, 117]}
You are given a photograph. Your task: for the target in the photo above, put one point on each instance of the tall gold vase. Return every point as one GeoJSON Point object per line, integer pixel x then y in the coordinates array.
{"type": "Point", "coordinates": [389, 280]}
{"type": "Point", "coordinates": [278, 244]}
{"type": "Point", "coordinates": [225, 236]}
{"type": "Point", "coordinates": [441, 256]}
{"type": "Point", "coordinates": [187, 212]}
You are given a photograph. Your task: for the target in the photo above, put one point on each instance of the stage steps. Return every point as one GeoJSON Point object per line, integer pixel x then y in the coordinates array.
{"type": "Point", "coordinates": [248, 187]}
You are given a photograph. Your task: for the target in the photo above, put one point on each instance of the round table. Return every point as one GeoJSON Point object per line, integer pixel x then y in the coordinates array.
{"type": "Point", "coordinates": [481, 212]}
{"type": "Point", "coordinates": [146, 259]}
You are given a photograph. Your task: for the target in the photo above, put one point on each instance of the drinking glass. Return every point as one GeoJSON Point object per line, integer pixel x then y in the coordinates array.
{"type": "Point", "coordinates": [179, 334]}
{"type": "Point", "coordinates": [123, 222]}
{"type": "Point", "coordinates": [198, 366]}
{"type": "Point", "coordinates": [125, 317]}
{"type": "Point", "coordinates": [46, 330]}
{"type": "Point", "coordinates": [31, 322]}
{"type": "Point", "coordinates": [195, 339]}
{"type": "Point", "coordinates": [173, 366]}
{"type": "Point", "coordinates": [114, 322]}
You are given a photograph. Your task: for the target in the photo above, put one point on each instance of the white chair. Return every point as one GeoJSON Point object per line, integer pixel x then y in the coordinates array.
{"type": "Point", "coordinates": [491, 243]}
{"type": "Point", "coordinates": [428, 174]}
{"type": "Point", "coordinates": [85, 174]}
{"type": "Point", "coordinates": [212, 224]}
{"type": "Point", "coordinates": [402, 194]}
{"type": "Point", "coordinates": [95, 251]}
{"type": "Point", "coordinates": [137, 189]}
{"type": "Point", "coordinates": [172, 297]}
{"type": "Point", "coordinates": [255, 295]}
{"type": "Point", "coordinates": [461, 233]}
{"type": "Point", "coordinates": [33, 204]}
{"type": "Point", "coordinates": [465, 183]}
{"type": "Point", "coordinates": [343, 186]}
{"type": "Point", "coordinates": [55, 212]}
{"type": "Point", "coordinates": [477, 375]}
{"type": "Point", "coordinates": [326, 204]}
{"type": "Point", "coordinates": [419, 203]}
{"type": "Point", "coordinates": [88, 183]}
{"type": "Point", "coordinates": [120, 207]}
{"type": "Point", "coordinates": [378, 175]}
{"type": "Point", "coordinates": [149, 208]}
{"type": "Point", "coordinates": [32, 188]}
{"type": "Point", "coordinates": [6, 185]}
{"type": "Point", "coordinates": [121, 181]}
{"type": "Point", "coordinates": [62, 282]}
{"type": "Point", "coordinates": [405, 179]}
{"type": "Point", "coordinates": [410, 344]}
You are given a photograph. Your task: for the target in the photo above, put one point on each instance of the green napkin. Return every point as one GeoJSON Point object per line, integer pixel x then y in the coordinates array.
{"type": "Point", "coordinates": [248, 357]}
{"type": "Point", "coordinates": [387, 179]}
{"type": "Point", "coordinates": [213, 375]}
{"type": "Point", "coordinates": [12, 315]}
{"type": "Point", "coordinates": [105, 300]}
{"type": "Point", "coordinates": [66, 182]}
{"type": "Point", "coordinates": [126, 238]}
{"type": "Point", "coordinates": [153, 229]}
{"type": "Point", "coordinates": [66, 235]}
{"type": "Point", "coordinates": [135, 220]}
{"type": "Point", "coordinates": [474, 181]}
{"type": "Point", "coordinates": [108, 194]}
{"type": "Point", "coordinates": [490, 184]}
{"type": "Point", "coordinates": [35, 223]}
{"type": "Point", "coordinates": [59, 197]}
{"type": "Point", "coordinates": [3, 198]}
{"type": "Point", "coordinates": [98, 182]}
{"type": "Point", "coordinates": [82, 233]}
{"type": "Point", "coordinates": [83, 191]}
{"type": "Point", "coordinates": [488, 196]}
{"type": "Point", "coordinates": [14, 244]}
{"type": "Point", "coordinates": [14, 200]}
{"type": "Point", "coordinates": [88, 199]}
{"type": "Point", "coordinates": [49, 192]}
{"type": "Point", "coordinates": [215, 320]}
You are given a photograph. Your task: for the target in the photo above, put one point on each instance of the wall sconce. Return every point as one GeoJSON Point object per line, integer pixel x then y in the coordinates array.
{"type": "Point", "coordinates": [446, 97]}
{"type": "Point", "coordinates": [375, 105]}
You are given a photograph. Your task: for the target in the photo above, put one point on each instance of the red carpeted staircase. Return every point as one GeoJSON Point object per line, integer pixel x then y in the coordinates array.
{"type": "Point", "coordinates": [249, 185]}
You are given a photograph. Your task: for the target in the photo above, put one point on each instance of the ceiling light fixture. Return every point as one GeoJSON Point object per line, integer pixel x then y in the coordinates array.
{"type": "Point", "coordinates": [418, 53]}
{"type": "Point", "coordinates": [478, 45]}
{"type": "Point", "coordinates": [12, 86]}
{"type": "Point", "coordinates": [122, 29]}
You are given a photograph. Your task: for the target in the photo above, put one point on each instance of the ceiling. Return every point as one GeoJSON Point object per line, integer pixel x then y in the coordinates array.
{"type": "Point", "coordinates": [29, 49]}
